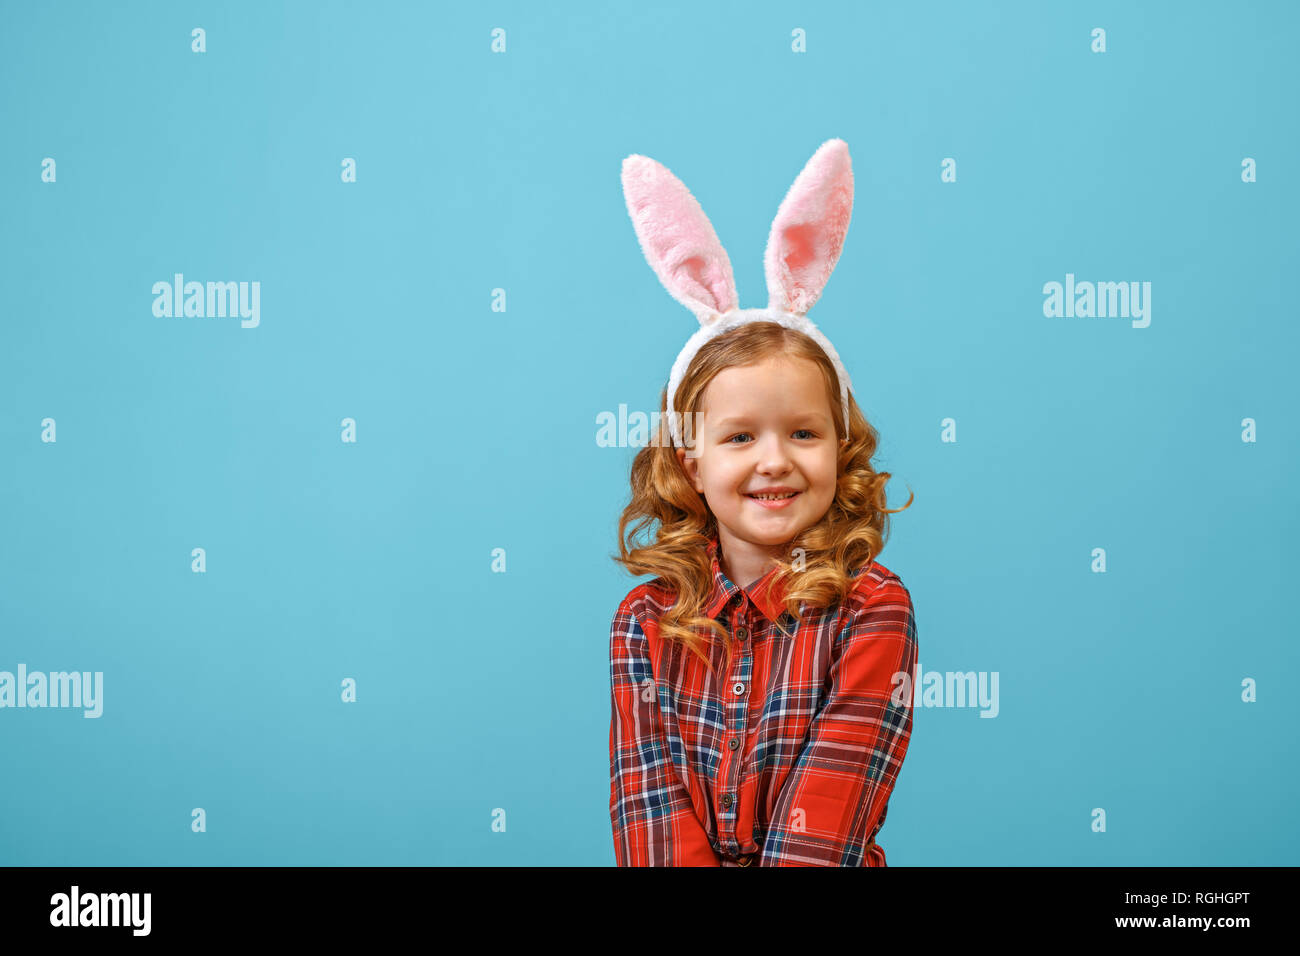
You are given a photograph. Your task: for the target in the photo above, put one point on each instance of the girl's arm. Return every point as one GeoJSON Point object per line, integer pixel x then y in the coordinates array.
{"type": "Point", "coordinates": [834, 800]}
{"type": "Point", "coordinates": [650, 808]}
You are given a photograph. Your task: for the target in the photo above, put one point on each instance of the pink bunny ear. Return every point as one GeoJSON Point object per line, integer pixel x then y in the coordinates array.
{"type": "Point", "coordinates": [677, 238]}
{"type": "Point", "coordinates": [808, 231]}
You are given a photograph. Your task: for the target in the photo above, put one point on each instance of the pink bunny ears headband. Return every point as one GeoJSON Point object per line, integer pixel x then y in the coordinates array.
{"type": "Point", "coordinates": [805, 242]}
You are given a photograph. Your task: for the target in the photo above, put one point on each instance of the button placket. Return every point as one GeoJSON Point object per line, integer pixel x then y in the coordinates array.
{"type": "Point", "coordinates": [735, 727]}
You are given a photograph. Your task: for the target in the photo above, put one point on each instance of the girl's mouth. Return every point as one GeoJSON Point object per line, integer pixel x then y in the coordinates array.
{"type": "Point", "coordinates": [775, 502]}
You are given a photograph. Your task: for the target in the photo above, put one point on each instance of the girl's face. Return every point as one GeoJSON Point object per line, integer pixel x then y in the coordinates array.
{"type": "Point", "coordinates": [760, 427]}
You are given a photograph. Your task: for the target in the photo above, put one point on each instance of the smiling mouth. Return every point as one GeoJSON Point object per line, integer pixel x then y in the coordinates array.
{"type": "Point", "coordinates": [780, 497]}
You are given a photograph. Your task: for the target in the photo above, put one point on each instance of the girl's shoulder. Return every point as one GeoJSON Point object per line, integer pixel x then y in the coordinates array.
{"type": "Point", "coordinates": [648, 600]}
{"type": "Point", "coordinates": [874, 583]}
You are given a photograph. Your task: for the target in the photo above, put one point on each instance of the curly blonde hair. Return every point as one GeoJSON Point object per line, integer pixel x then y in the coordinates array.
{"type": "Point", "coordinates": [849, 536]}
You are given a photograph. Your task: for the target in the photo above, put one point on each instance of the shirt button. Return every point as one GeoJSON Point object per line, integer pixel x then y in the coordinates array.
{"type": "Point", "coordinates": [726, 801]}
{"type": "Point", "coordinates": [742, 633]}
{"type": "Point", "coordinates": [733, 743]}
{"type": "Point", "coordinates": [738, 688]}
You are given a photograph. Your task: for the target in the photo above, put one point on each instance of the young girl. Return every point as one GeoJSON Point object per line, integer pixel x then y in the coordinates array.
{"type": "Point", "coordinates": [762, 683]}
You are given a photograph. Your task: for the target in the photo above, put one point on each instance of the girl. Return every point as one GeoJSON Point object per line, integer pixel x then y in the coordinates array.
{"type": "Point", "coordinates": [761, 684]}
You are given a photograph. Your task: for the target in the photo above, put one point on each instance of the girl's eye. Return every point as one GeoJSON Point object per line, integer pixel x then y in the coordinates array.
{"type": "Point", "coordinates": [800, 431]}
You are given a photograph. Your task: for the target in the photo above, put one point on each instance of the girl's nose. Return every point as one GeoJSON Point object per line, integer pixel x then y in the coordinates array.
{"type": "Point", "coordinates": [773, 456]}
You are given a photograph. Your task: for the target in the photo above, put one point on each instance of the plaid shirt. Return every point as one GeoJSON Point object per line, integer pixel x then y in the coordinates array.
{"type": "Point", "coordinates": [791, 760]}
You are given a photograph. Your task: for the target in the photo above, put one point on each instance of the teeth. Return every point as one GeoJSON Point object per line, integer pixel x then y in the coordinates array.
{"type": "Point", "coordinates": [789, 494]}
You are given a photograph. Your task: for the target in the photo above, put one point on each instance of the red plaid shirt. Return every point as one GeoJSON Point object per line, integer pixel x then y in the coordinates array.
{"type": "Point", "coordinates": [789, 761]}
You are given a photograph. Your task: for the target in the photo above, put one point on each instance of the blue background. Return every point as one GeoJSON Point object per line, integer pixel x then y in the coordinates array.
{"type": "Point", "coordinates": [476, 429]}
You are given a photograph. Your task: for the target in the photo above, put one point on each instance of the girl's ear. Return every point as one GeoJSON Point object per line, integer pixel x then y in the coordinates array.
{"type": "Point", "coordinates": [690, 468]}
{"type": "Point", "coordinates": [809, 229]}
{"type": "Point", "coordinates": [677, 238]}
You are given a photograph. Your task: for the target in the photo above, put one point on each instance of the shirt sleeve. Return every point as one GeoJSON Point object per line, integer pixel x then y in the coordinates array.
{"type": "Point", "coordinates": [651, 810]}
{"type": "Point", "coordinates": [834, 801]}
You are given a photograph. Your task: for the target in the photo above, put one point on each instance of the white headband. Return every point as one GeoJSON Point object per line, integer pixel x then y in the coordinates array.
{"type": "Point", "coordinates": [802, 248]}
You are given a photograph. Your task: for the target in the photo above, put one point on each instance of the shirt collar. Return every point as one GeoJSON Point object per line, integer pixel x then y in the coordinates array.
{"type": "Point", "coordinates": [769, 601]}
